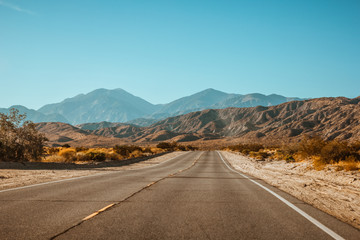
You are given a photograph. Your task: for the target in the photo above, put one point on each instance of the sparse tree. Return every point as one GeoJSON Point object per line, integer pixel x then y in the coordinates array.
{"type": "Point", "coordinates": [19, 139]}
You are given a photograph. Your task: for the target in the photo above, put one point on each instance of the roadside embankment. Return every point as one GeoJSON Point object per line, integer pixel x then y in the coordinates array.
{"type": "Point", "coordinates": [15, 174]}
{"type": "Point", "coordinates": [334, 192]}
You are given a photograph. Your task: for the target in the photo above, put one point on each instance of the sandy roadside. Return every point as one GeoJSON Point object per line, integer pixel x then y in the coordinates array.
{"type": "Point", "coordinates": [334, 192]}
{"type": "Point", "coordinates": [11, 178]}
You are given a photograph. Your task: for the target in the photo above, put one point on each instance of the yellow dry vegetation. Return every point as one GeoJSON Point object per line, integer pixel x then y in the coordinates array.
{"type": "Point", "coordinates": [117, 153]}
{"type": "Point", "coordinates": [341, 154]}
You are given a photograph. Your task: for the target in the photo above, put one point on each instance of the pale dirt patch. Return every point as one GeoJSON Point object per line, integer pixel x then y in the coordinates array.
{"type": "Point", "coordinates": [334, 192]}
{"type": "Point", "coordinates": [10, 177]}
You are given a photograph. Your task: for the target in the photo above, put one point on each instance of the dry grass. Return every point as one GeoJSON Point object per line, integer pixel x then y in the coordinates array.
{"type": "Point", "coordinates": [343, 155]}
{"type": "Point", "coordinates": [83, 154]}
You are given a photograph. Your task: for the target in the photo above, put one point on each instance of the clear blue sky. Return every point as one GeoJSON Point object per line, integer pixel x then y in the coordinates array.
{"type": "Point", "coordinates": [163, 50]}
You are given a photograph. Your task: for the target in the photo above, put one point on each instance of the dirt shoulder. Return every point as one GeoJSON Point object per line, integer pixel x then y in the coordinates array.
{"type": "Point", "coordinates": [13, 174]}
{"type": "Point", "coordinates": [334, 192]}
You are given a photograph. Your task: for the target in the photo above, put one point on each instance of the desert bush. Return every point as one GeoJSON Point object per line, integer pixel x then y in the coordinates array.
{"type": "Point", "coordinates": [54, 158]}
{"type": "Point", "coordinates": [126, 150]}
{"type": "Point", "coordinates": [318, 163]}
{"type": "Point", "coordinates": [334, 151]}
{"type": "Point", "coordinates": [311, 146]}
{"type": "Point", "coordinates": [52, 150]}
{"type": "Point", "coordinates": [246, 148]}
{"type": "Point", "coordinates": [147, 150]}
{"type": "Point", "coordinates": [289, 158]}
{"type": "Point", "coordinates": [191, 148]}
{"type": "Point", "coordinates": [136, 153]}
{"type": "Point", "coordinates": [156, 150]}
{"type": "Point", "coordinates": [113, 156]}
{"type": "Point", "coordinates": [95, 156]}
{"type": "Point", "coordinates": [350, 164]}
{"type": "Point", "coordinates": [68, 153]}
{"type": "Point", "coordinates": [81, 156]}
{"type": "Point", "coordinates": [19, 139]}
{"type": "Point", "coordinates": [181, 148]}
{"type": "Point", "coordinates": [168, 146]}
{"type": "Point", "coordinates": [81, 149]}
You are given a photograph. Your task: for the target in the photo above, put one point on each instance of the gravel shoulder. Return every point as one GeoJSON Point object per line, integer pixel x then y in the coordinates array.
{"type": "Point", "coordinates": [14, 174]}
{"type": "Point", "coordinates": [334, 192]}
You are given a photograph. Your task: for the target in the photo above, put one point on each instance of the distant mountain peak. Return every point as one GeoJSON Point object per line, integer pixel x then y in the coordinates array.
{"type": "Point", "coordinates": [118, 105]}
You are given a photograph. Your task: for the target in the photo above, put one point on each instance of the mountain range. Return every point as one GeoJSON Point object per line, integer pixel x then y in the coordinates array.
{"type": "Point", "coordinates": [120, 106]}
{"type": "Point", "coordinates": [330, 118]}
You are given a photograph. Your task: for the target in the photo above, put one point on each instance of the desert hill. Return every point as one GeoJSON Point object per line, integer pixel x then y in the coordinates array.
{"type": "Point", "coordinates": [332, 118]}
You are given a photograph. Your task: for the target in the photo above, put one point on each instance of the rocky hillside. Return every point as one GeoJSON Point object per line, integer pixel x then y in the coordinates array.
{"type": "Point", "coordinates": [331, 118]}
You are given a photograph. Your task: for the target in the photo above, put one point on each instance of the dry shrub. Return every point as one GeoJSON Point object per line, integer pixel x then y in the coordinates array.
{"type": "Point", "coordinates": [334, 151]}
{"type": "Point", "coordinates": [246, 148]}
{"type": "Point", "coordinates": [68, 153]}
{"type": "Point", "coordinates": [168, 146]}
{"type": "Point", "coordinates": [318, 163]}
{"type": "Point", "coordinates": [136, 154]}
{"type": "Point", "coordinates": [191, 148]}
{"type": "Point", "coordinates": [350, 164]}
{"type": "Point", "coordinates": [95, 156]}
{"type": "Point", "coordinates": [261, 155]}
{"type": "Point", "coordinates": [156, 150]}
{"type": "Point", "coordinates": [113, 156]}
{"type": "Point", "coordinates": [126, 150]}
{"type": "Point", "coordinates": [52, 150]}
{"type": "Point", "coordinates": [311, 146]}
{"type": "Point", "coordinates": [81, 149]}
{"type": "Point", "coordinates": [54, 158]}
{"type": "Point", "coordinates": [81, 156]}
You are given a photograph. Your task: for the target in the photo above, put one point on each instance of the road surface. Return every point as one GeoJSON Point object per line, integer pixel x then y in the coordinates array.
{"type": "Point", "coordinates": [193, 196]}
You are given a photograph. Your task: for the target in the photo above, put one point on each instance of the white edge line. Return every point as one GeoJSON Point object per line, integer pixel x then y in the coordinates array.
{"type": "Point", "coordinates": [298, 210]}
{"type": "Point", "coordinates": [75, 178]}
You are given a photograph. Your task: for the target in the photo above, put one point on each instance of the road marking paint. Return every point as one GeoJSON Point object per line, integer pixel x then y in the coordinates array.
{"type": "Point", "coordinates": [75, 178]}
{"type": "Point", "coordinates": [97, 212]}
{"type": "Point", "coordinates": [298, 210]}
{"type": "Point", "coordinates": [150, 184]}
{"type": "Point", "coordinates": [147, 186]}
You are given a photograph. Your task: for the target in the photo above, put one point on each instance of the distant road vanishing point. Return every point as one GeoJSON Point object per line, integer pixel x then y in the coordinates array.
{"type": "Point", "coordinates": [193, 196]}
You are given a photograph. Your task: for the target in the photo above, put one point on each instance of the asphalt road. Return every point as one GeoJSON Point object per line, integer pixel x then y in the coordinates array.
{"type": "Point", "coordinates": [194, 196]}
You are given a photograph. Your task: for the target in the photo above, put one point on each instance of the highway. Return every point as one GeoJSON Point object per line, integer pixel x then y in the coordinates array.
{"type": "Point", "coordinates": [193, 196]}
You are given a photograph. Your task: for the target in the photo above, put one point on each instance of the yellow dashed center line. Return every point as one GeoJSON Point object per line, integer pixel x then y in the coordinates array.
{"type": "Point", "coordinates": [97, 212]}
{"type": "Point", "coordinates": [109, 206]}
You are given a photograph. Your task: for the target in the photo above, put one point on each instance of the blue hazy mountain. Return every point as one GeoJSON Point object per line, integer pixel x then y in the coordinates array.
{"type": "Point", "coordinates": [36, 116]}
{"type": "Point", "coordinates": [117, 105]}
{"type": "Point", "coordinates": [214, 99]}
{"type": "Point", "coordinates": [101, 105]}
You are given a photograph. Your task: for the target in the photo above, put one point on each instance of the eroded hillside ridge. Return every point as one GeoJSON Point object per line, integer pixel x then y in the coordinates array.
{"type": "Point", "coordinates": [331, 118]}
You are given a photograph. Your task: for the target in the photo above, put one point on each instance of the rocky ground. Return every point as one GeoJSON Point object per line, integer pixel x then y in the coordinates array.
{"type": "Point", "coordinates": [19, 174]}
{"type": "Point", "coordinates": [334, 192]}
